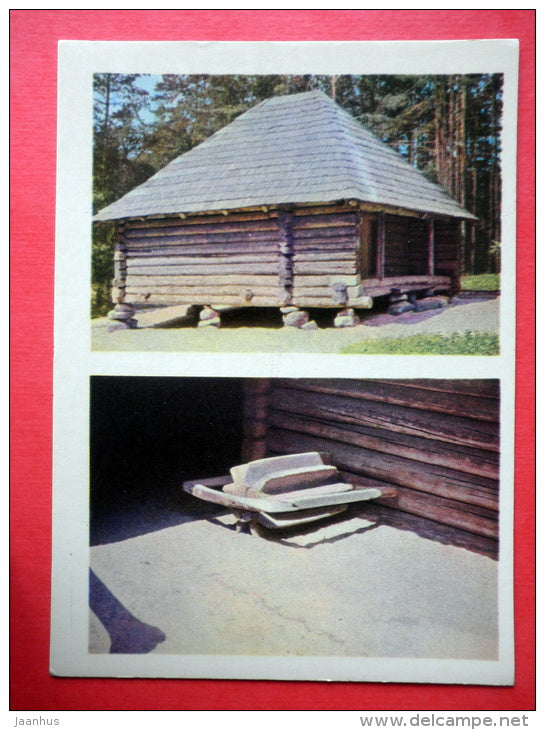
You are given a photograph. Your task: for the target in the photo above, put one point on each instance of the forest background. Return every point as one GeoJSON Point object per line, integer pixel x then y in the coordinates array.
{"type": "Point", "coordinates": [448, 127]}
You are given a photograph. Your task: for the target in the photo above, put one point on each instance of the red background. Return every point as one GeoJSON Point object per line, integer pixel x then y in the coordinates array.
{"type": "Point", "coordinates": [34, 36]}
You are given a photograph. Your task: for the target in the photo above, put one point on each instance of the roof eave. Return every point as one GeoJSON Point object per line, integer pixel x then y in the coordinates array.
{"type": "Point", "coordinates": [363, 205]}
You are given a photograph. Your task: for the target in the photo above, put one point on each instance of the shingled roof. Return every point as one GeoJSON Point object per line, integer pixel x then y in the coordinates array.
{"type": "Point", "coordinates": [301, 148]}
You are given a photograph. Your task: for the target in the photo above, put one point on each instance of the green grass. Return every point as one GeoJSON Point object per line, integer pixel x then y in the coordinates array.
{"type": "Point", "coordinates": [481, 282]}
{"type": "Point", "coordinates": [468, 343]}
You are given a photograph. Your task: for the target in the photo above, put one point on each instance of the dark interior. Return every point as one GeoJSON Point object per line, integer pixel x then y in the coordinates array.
{"type": "Point", "coordinates": [148, 435]}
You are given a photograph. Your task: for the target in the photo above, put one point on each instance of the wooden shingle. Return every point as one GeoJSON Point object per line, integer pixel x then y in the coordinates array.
{"type": "Point", "coordinates": [294, 149]}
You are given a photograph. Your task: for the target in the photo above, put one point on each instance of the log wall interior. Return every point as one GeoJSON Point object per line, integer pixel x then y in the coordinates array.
{"type": "Point", "coordinates": [406, 246]}
{"type": "Point", "coordinates": [447, 249]}
{"type": "Point", "coordinates": [435, 441]}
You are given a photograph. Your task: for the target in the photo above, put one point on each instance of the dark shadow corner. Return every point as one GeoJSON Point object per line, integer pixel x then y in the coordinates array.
{"type": "Point", "coordinates": [428, 529]}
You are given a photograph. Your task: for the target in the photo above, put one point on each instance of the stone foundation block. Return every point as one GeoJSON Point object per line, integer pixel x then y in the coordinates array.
{"type": "Point", "coordinates": [209, 317]}
{"type": "Point", "coordinates": [121, 312]}
{"type": "Point", "coordinates": [295, 319]}
{"type": "Point", "coordinates": [400, 308]}
{"type": "Point", "coordinates": [423, 305]}
{"type": "Point", "coordinates": [121, 317]}
{"type": "Point", "coordinates": [127, 324]}
{"type": "Point", "coordinates": [395, 298]}
{"type": "Point", "coordinates": [347, 318]}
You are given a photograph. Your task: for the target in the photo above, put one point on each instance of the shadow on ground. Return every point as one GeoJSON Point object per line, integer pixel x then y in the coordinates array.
{"type": "Point", "coordinates": [124, 520]}
{"type": "Point", "coordinates": [127, 634]}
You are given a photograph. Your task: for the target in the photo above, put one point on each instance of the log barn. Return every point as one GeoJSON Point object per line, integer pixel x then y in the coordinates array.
{"type": "Point", "coordinates": [435, 442]}
{"type": "Point", "coordinates": [293, 205]}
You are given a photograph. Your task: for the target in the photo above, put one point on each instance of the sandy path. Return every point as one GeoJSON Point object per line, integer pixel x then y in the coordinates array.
{"type": "Point", "coordinates": [476, 316]}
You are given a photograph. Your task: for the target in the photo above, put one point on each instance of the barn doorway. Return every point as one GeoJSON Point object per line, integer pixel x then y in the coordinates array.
{"type": "Point", "coordinates": [148, 435]}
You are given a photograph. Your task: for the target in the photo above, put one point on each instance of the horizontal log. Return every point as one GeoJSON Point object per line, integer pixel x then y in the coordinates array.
{"type": "Point", "coordinates": [223, 248]}
{"type": "Point", "coordinates": [201, 269]}
{"type": "Point", "coordinates": [461, 430]}
{"type": "Point", "coordinates": [205, 222]}
{"type": "Point", "coordinates": [306, 280]}
{"type": "Point", "coordinates": [321, 209]}
{"type": "Point", "coordinates": [418, 497]}
{"type": "Point", "coordinates": [244, 251]}
{"type": "Point", "coordinates": [324, 292]}
{"type": "Point", "coordinates": [452, 456]}
{"type": "Point", "coordinates": [237, 215]}
{"type": "Point", "coordinates": [329, 245]}
{"type": "Point", "coordinates": [178, 227]}
{"type": "Point", "coordinates": [211, 280]}
{"type": "Point", "coordinates": [456, 404]}
{"type": "Point", "coordinates": [439, 481]}
{"type": "Point", "coordinates": [324, 220]}
{"type": "Point", "coordinates": [210, 260]}
{"type": "Point", "coordinates": [394, 221]}
{"type": "Point", "coordinates": [338, 258]}
{"type": "Point", "coordinates": [206, 299]}
{"type": "Point", "coordinates": [446, 512]}
{"type": "Point", "coordinates": [405, 279]}
{"type": "Point", "coordinates": [188, 238]}
{"type": "Point", "coordinates": [325, 233]}
{"type": "Point", "coordinates": [479, 493]}
{"type": "Point", "coordinates": [485, 388]}
{"type": "Point", "coordinates": [201, 291]}
{"type": "Point", "coordinates": [324, 267]}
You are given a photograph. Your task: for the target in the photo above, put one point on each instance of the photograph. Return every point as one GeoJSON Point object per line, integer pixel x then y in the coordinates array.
{"type": "Point", "coordinates": [262, 469]}
{"type": "Point", "coordinates": [297, 518]}
{"type": "Point", "coordinates": [340, 213]}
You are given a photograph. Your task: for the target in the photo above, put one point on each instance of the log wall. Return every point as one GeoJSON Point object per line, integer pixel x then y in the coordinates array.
{"type": "Point", "coordinates": [271, 257]}
{"type": "Point", "coordinates": [326, 248]}
{"type": "Point", "coordinates": [250, 259]}
{"type": "Point", "coordinates": [435, 441]}
{"type": "Point", "coordinates": [217, 259]}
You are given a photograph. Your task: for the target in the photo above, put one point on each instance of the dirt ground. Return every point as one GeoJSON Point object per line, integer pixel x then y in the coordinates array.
{"type": "Point", "coordinates": [350, 587]}
{"type": "Point", "coordinates": [476, 314]}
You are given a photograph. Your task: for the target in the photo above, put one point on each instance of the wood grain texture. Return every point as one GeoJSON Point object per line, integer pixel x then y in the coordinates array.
{"type": "Point", "coordinates": [435, 441]}
{"type": "Point", "coordinates": [303, 249]}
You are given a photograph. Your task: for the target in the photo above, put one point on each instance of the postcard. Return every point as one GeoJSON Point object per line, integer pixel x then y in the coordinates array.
{"type": "Point", "coordinates": [284, 361]}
